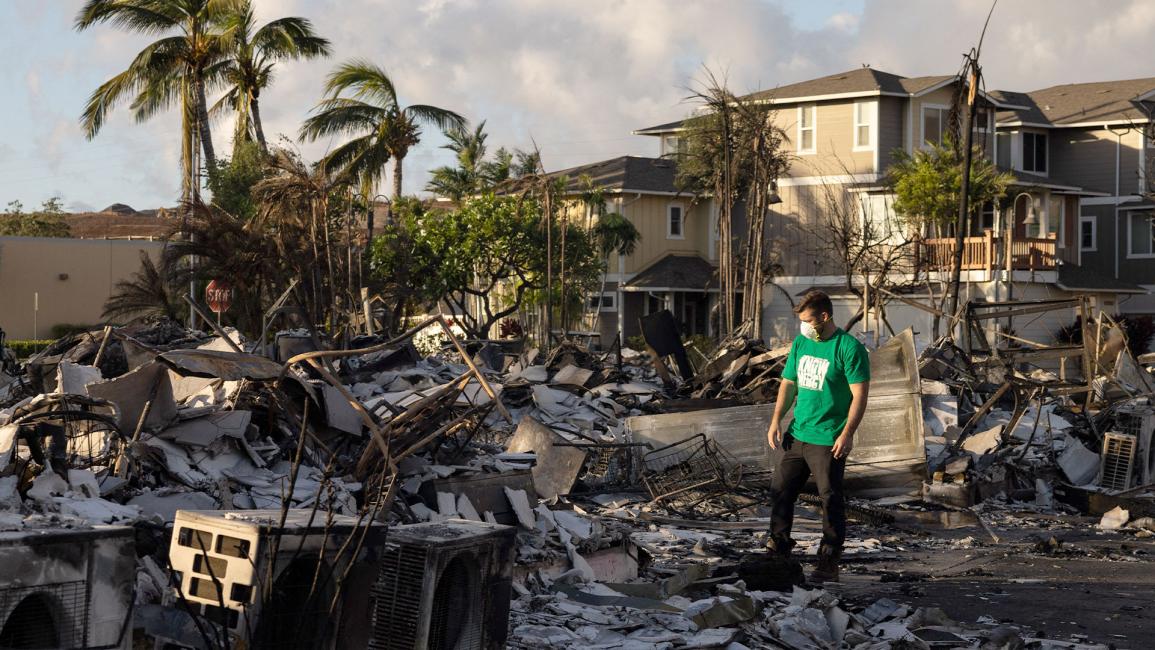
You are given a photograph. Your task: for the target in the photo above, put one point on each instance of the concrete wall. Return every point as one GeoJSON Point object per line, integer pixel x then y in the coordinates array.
{"type": "Point", "coordinates": [72, 277]}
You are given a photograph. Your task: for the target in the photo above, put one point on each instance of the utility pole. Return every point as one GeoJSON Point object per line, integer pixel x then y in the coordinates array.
{"type": "Point", "coordinates": [972, 74]}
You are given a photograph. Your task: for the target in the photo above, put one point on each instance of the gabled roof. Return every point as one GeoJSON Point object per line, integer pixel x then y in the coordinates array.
{"type": "Point", "coordinates": [1083, 104]}
{"type": "Point", "coordinates": [675, 271]}
{"type": "Point", "coordinates": [1027, 179]}
{"type": "Point", "coordinates": [625, 174]}
{"type": "Point", "coordinates": [859, 82]}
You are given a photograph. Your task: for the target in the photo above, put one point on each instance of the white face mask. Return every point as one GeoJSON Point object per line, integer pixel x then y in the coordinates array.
{"type": "Point", "coordinates": [809, 331]}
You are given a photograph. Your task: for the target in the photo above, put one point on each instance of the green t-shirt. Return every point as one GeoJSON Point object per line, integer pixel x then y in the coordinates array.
{"type": "Point", "coordinates": [823, 371]}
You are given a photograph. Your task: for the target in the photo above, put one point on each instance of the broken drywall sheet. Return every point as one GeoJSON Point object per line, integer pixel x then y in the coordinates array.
{"type": "Point", "coordinates": [204, 431]}
{"type": "Point", "coordinates": [340, 414]}
{"type": "Point", "coordinates": [72, 378]}
{"type": "Point", "coordinates": [131, 391]}
{"type": "Point", "coordinates": [557, 467]}
{"type": "Point", "coordinates": [1080, 464]}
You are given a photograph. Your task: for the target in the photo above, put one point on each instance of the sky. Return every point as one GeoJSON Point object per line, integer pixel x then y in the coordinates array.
{"type": "Point", "coordinates": [574, 77]}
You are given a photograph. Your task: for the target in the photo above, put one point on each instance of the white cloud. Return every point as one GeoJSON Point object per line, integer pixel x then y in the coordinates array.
{"type": "Point", "coordinates": [577, 76]}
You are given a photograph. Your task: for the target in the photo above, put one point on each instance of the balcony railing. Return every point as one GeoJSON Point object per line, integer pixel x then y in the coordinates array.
{"type": "Point", "coordinates": [985, 253]}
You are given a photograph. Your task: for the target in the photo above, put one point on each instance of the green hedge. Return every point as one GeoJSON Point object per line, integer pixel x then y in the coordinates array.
{"type": "Point", "coordinates": [28, 347]}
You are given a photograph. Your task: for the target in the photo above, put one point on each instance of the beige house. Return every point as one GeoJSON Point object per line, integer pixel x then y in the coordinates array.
{"type": "Point", "coordinates": [50, 281]}
{"type": "Point", "coordinates": [672, 266]}
{"type": "Point", "coordinates": [843, 130]}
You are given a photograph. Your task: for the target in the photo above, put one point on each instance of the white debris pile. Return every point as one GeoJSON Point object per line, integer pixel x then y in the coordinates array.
{"type": "Point", "coordinates": [570, 613]}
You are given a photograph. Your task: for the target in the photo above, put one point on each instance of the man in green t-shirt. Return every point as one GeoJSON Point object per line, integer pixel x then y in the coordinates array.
{"type": "Point", "coordinates": [829, 370]}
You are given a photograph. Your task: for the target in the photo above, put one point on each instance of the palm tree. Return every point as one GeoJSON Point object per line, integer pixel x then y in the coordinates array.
{"type": "Point", "coordinates": [253, 53]}
{"type": "Point", "coordinates": [148, 292]}
{"type": "Point", "coordinates": [469, 175]}
{"type": "Point", "coordinates": [293, 203]}
{"type": "Point", "coordinates": [173, 70]}
{"type": "Point", "coordinates": [382, 129]}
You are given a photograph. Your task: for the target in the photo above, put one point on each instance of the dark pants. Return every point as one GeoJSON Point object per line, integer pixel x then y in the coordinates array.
{"type": "Point", "coordinates": [800, 460]}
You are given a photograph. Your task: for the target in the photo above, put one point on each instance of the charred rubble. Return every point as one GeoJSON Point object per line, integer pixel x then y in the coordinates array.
{"type": "Point", "coordinates": [490, 495]}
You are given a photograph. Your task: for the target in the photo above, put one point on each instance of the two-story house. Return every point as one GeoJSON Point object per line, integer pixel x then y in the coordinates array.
{"type": "Point", "coordinates": [843, 130]}
{"type": "Point", "coordinates": [671, 267]}
{"type": "Point", "coordinates": [1095, 135]}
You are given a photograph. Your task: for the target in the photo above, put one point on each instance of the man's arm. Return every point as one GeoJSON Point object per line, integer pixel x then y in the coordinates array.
{"type": "Point", "coordinates": [858, 396]}
{"type": "Point", "coordinates": [786, 391]}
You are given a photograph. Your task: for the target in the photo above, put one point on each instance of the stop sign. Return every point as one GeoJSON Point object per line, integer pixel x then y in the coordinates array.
{"type": "Point", "coordinates": [219, 296]}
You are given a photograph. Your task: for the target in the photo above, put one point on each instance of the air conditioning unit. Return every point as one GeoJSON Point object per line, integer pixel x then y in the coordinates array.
{"type": "Point", "coordinates": [1139, 421]}
{"type": "Point", "coordinates": [67, 588]}
{"type": "Point", "coordinates": [1117, 462]}
{"type": "Point", "coordinates": [444, 586]}
{"type": "Point", "coordinates": [232, 566]}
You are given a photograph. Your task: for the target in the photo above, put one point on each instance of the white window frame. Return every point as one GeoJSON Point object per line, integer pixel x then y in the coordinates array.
{"type": "Point", "coordinates": [669, 221]}
{"type": "Point", "coordinates": [1091, 219]}
{"type": "Point", "coordinates": [1151, 223]}
{"type": "Point", "coordinates": [608, 302]}
{"type": "Point", "coordinates": [922, 122]}
{"type": "Point", "coordinates": [868, 111]}
{"type": "Point", "coordinates": [1022, 152]}
{"type": "Point", "coordinates": [813, 128]}
{"type": "Point", "coordinates": [1010, 136]}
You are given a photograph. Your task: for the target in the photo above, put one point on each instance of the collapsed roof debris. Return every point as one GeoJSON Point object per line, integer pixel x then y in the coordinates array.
{"type": "Point", "coordinates": [624, 505]}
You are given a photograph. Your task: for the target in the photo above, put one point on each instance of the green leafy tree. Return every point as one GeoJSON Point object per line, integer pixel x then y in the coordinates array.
{"type": "Point", "coordinates": [232, 180]}
{"type": "Point", "coordinates": [48, 221]}
{"type": "Point", "coordinates": [928, 183]}
{"type": "Point", "coordinates": [178, 69]}
{"type": "Point", "coordinates": [371, 113]}
{"type": "Point", "coordinates": [252, 56]}
{"type": "Point", "coordinates": [491, 253]}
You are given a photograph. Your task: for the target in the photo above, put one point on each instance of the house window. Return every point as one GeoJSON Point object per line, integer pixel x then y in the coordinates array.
{"type": "Point", "coordinates": [987, 217]}
{"type": "Point", "coordinates": [673, 145]}
{"type": "Point", "coordinates": [934, 124]}
{"type": "Point", "coordinates": [675, 222]}
{"type": "Point", "coordinates": [807, 118]}
{"type": "Point", "coordinates": [864, 124]}
{"type": "Point", "coordinates": [1035, 152]}
{"type": "Point", "coordinates": [1088, 233]}
{"type": "Point", "coordinates": [1003, 149]}
{"type": "Point", "coordinates": [603, 302]}
{"type": "Point", "coordinates": [1141, 237]}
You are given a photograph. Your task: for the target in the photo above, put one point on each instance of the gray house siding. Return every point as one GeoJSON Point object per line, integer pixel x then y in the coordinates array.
{"type": "Point", "coordinates": [1102, 259]}
{"type": "Point", "coordinates": [1086, 157]}
{"type": "Point", "coordinates": [891, 129]}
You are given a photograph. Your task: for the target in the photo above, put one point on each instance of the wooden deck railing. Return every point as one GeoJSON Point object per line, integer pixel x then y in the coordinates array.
{"type": "Point", "coordinates": [984, 253]}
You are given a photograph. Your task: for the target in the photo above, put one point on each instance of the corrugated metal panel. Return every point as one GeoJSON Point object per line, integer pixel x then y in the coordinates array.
{"type": "Point", "coordinates": [890, 436]}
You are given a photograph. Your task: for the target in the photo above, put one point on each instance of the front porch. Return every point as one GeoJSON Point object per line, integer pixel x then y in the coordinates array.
{"type": "Point", "coordinates": [987, 253]}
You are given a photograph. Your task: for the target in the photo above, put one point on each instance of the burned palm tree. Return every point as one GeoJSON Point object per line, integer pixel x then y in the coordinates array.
{"type": "Point", "coordinates": [150, 292]}
{"type": "Point", "coordinates": [294, 205]}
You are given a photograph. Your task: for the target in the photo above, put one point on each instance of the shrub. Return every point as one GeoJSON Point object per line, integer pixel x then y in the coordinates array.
{"type": "Point", "coordinates": [702, 343]}
{"type": "Point", "coordinates": [61, 330]}
{"type": "Point", "coordinates": [25, 348]}
{"type": "Point", "coordinates": [510, 328]}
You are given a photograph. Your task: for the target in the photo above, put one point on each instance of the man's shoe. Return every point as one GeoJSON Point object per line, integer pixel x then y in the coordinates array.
{"type": "Point", "coordinates": [827, 569]}
{"type": "Point", "coordinates": [779, 546]}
